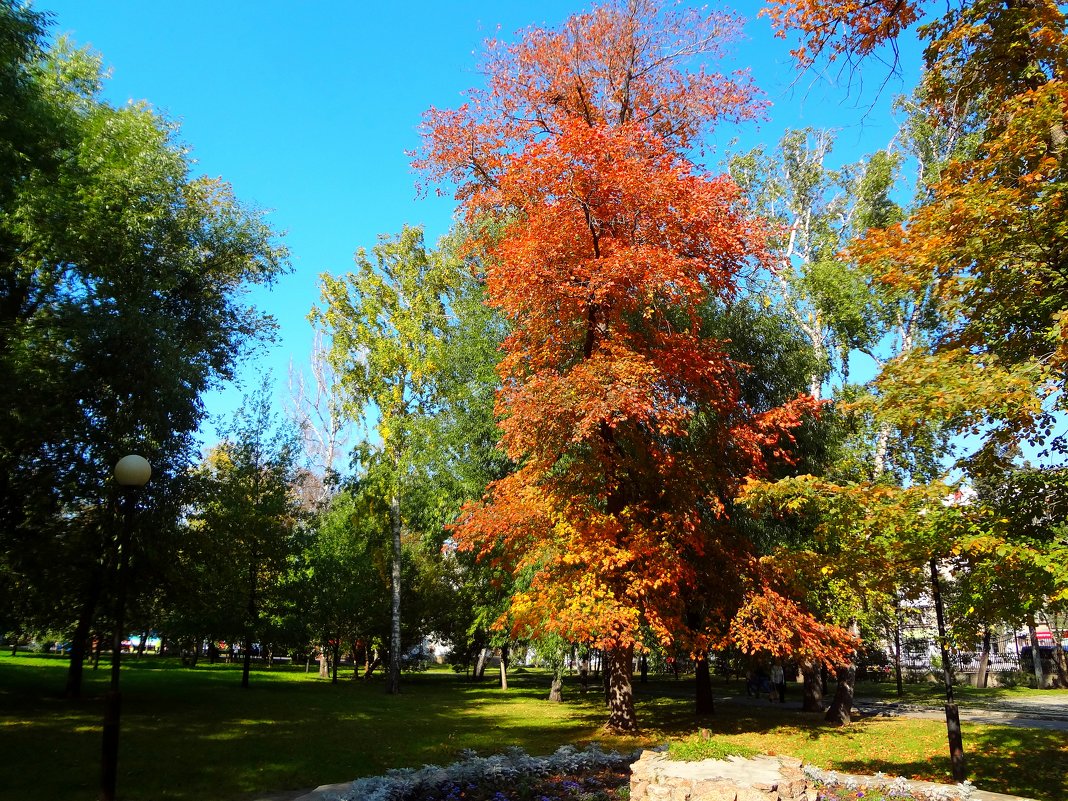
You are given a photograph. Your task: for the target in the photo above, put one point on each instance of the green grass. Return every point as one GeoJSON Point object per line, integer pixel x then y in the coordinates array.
{"type": "Point", "coordinates": [703, 745]}
{"type": "Point", "coordinates": [194, 734]}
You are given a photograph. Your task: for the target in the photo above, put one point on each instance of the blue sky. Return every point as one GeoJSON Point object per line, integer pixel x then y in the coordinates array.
{"type": "Point", "coordinates": [307, 108]}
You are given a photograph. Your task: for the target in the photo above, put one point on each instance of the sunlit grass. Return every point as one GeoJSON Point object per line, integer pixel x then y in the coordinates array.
{"type": "Point", "coordinates": [191, 734]}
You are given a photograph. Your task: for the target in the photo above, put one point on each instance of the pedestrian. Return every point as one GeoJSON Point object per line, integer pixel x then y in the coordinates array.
{"type": "Point", "coordinates": [778, 681]}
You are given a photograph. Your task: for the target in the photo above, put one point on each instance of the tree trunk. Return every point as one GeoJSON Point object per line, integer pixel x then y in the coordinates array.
{"type": "Point", "coordinates": [606, 679]}
{"type": "Point", "coordinates": [897, 653]}
{"type": "Point", "coordinates": [643, 665]}
{"type": "Point", "coordinates": [812, 686]}
{"type": "Point", "coordinates": [480, 664]}
{"type": "Point", "coordinates": [556, 691]}
{"type": "Point", "coordinates": [953, 732]}
{"type": "Point", "coordinates": [98, 646]}
{"type": "Point", "coordinates": [1036, 654]}
{"type": "Point", "coordinates": [705, 701]}
{"type": "Point", "coordinates": [141, 644]}
{"type": "Point", "coordinates": [79, 640]}
{"type": "Point", "coordinates": [246, 660]}
{"type": "Point", "coordinates": [324, 663]}
{"type": "Point", "coordinates": [393, 684]}
{"type": "Point", "coordinates": [841, 709]}
{"type": "Point", "coordinates": [336, 658]}
{"type": "Point", "coordinates": [1060, 664]}
{"type": "Point", "coordinates": [621, 715]}
{"type": "Point", "coordinates": [213, 651]}
{"type": "Point", "coordinates": [250, 620]}
{"type": "Point", "coordinates": [504, 666]}
{"type": "Point", "coordinates": [373, 665]}
{"type": "Point", "coordinates": [1060, 680]}
{"type": "Point", "coordinates": [984, 659]}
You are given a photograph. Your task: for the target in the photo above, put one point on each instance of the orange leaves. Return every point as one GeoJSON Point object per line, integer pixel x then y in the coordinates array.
{"type": "Point", "coordinates": [601, 245]}
{"type": "Point", "coordinates": [840, 27]}
{"type": "Point", "coordinates": [774, 624]}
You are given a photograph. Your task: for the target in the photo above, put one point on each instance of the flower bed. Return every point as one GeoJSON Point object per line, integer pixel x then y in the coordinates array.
{"type": "Point", "coordinates": [832, 786]}
{"type": "Point", "coordinates": [569, 774]}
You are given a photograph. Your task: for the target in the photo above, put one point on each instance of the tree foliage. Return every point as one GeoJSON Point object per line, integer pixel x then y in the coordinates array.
{"type": "Point", "coordinates": [607, 240]}
{"type": "Point", "coordinates": [121, 276]}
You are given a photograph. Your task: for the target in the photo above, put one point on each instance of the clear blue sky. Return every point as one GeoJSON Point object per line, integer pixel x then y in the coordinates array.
{"type": "Point", "coordinates": [307, 108]}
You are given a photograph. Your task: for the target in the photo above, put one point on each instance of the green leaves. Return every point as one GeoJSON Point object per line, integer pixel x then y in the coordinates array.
{"type": "Point", "coordinates": [120, 283]}
{"type": "Point", "coordinates": [388, 321]}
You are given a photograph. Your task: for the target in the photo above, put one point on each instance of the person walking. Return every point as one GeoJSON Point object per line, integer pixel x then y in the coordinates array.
{"type": "Point", "coordinates": [778, 682]}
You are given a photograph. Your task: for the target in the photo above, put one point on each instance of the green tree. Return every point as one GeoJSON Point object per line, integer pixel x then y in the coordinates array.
{"type": "Point", "coordinates": [120, 284]}
{"type": "Point", "coordinates": [248, 507]}
{"type": "Point", "coordinates": [388, 321]}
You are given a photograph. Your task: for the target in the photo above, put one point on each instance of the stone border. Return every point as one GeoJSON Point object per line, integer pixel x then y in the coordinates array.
{"type": "Point", "coordinates": [654, 777]}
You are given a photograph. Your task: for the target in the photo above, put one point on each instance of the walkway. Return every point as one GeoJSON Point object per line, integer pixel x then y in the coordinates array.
{"type": "Point", "coordinates": [1033, 712]}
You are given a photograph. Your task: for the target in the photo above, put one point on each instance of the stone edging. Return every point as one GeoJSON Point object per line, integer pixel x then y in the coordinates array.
{"type": "Point", "coordinates": [654, 777]}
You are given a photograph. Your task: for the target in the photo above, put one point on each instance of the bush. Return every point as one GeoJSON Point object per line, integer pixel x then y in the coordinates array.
{"type": "Point", "coordinates": [1016, 678]}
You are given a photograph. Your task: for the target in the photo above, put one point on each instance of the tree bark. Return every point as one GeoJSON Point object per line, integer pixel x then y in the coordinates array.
{"type": "Point", "coordinates": [897, 653]}
{"type": "Point", "coordinates": [984, 659]}
{"type": "Point", "coordinates": [705, 702]}
{"type": "Point", "coordinates": [97, 648]}
{"type": "Point", "coordinates": [556, 691]}
{"type": "Point", "coordinates": [1060, 664]}
{"type": "Point", "coordinates": [953, 732]}
{"type": "Point", "coordinates": [324, 662]}
{"type": "Point", "coordinates": [393, 684]}
{"type": "Point", "coordinates": [372, 666]}
{"type": "Point", "coordinates": [504, 666]}
{"type": "Point", "coordinates": [621, 716]}
{"type": "Point", "coordinates": [336, 658]}
{"type": "Point", "coordinates": [841, 709]}
{"type": "Point", "coordinates": [1036, 654]}
{"type": "Point", "coordinates": [480, 665]}
{"type": "Point", "coordinates": [812, 688]}
{"type": "Point", "coordinates": [80, 638]}
{"type": "Point", "coordinates": [1060, 669]}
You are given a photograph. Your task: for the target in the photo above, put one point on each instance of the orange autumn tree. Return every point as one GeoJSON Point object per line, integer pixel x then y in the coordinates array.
{"type": "Point", "coordinates": [602, 240]}
{"type": "Point", "coordinates": [991, 228]}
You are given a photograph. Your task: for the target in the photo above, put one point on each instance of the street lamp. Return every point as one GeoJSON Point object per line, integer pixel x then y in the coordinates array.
{"type": "Point", "coordinates": [132, 472]}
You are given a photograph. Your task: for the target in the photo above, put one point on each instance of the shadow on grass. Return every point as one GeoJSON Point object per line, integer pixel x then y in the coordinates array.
{"type": "Point", "coordinates": [194, 733]}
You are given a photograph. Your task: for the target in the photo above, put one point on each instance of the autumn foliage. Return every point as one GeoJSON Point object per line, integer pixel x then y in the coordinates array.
{"type": "Point", "coordinates": [601, 242]}
{"type": "Point", "coordinates": [995, 80]}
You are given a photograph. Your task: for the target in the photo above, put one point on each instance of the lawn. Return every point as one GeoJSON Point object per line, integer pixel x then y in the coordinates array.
{"type": "Point", "coordinates": [194, 734]}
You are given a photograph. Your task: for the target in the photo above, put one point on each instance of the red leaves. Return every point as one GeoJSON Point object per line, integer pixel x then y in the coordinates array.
{"type": "Point", "coordinates": [841, 27]}
{"type": "Point", "coordinates": [774, 624]}
{"type": "Point", "coordinates": [603, 242]}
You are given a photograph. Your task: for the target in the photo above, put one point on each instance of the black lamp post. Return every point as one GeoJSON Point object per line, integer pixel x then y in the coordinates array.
{"type": "Point", "coordinates": [132, 472]}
